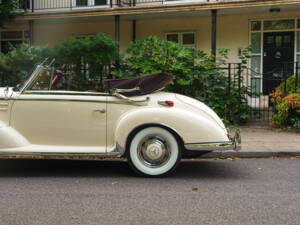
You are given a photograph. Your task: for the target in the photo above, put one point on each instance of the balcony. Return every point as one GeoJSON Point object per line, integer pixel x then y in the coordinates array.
{"type": "Point", "coordinates": [53, 5]}
{"type": "Point", "coordinates": [57, 5]}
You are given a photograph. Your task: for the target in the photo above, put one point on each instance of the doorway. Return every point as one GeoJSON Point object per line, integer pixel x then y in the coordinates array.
{"type": "Point", "coordinates": [278, 58]}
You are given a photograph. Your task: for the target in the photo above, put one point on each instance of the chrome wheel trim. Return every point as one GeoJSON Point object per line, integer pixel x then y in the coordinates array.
{"type": "Point", "coordinates": [169, 165]}
{"type": "Point", "coordinates": [154, 151]}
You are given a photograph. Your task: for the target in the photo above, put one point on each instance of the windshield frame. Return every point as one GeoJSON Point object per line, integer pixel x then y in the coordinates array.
{"type": "Point", "coordinates": [39, 68]}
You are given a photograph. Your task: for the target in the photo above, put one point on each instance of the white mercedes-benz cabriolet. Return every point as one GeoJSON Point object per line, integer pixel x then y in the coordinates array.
{"type": "Point", "coordinates": [153, 129]}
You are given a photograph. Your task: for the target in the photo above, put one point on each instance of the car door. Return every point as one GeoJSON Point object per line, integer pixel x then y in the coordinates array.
{"type": "Point", "coordinates": [48, 114]}
{"type": "Point", "coordinates": [61, 119]}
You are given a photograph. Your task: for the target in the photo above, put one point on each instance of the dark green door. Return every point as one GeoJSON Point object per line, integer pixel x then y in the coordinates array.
{"type": "Point", "coordinates": [278, 58]}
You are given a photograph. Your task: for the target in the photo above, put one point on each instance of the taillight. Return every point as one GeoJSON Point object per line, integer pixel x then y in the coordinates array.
{"type": "Point", "coordinates": [166, 103]}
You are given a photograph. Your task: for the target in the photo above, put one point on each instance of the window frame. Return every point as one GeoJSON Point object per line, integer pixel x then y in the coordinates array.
{"type": "Point", "coordinates": [23, 39]}
{"type": "Point", "coordinates": [90, 4]}
{"type": "Point", "coordinates": [180, 38]}
{"type": "Point", "coordinates": [167, 2]}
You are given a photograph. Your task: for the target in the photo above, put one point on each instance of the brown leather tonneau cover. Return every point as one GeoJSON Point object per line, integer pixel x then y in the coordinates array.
{"type": "Point", "coordinates": [147, 84]}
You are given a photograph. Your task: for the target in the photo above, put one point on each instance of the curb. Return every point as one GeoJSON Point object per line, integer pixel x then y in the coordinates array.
{"type": "Point", "coordinates": [251, 154]}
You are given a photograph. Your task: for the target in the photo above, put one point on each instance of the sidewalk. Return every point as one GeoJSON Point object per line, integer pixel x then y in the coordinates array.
{"type": "Point", "coordinates": [264, 142]}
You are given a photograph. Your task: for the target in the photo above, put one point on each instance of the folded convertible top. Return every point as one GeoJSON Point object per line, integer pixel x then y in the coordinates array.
{"type": "Point", "coordinates": [146, 84]}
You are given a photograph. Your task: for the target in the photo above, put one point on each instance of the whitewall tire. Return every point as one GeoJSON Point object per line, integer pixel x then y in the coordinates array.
{"type": "Point", "coordinates": [154, 151]}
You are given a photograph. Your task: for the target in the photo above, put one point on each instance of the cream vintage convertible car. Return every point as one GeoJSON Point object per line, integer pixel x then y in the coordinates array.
{"type": "Point", "coordinates": [152, 129]}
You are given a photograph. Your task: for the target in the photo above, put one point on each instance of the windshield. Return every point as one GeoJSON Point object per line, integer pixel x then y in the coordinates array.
{"type": "Point", "coordinates": [24, 79]}
{"type": "Point", "coordinates": [45, 78]}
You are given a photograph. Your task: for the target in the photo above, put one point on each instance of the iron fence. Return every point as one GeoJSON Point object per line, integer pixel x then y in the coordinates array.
{"type": "Point", "coordinates": [254, 90]}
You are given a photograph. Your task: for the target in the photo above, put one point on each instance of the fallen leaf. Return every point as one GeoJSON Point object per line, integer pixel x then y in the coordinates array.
{"type": "Point", "coordinates": [114, 182]}
{"type": "Point", "coordinates": [76, 182]}
{"type": "Point", "coordinates": [195, 189]}
{"type": "Point", "coordinates": [229, 159]}
{"type": "Point", "coordinates": [259, 168]}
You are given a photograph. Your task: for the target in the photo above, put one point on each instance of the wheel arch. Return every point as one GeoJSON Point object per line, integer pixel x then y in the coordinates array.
{"type": "Point", "coordinates": [143, 126]}
{"type": "Point", "coordinates": [186, 126]}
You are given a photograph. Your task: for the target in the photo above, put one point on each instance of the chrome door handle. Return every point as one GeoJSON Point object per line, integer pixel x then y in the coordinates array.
{"type": "Point", "coordinates": [100, 110]}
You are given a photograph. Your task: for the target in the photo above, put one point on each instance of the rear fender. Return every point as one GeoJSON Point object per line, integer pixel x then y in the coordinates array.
{"type": "Point", "coordinates": [191, 127]}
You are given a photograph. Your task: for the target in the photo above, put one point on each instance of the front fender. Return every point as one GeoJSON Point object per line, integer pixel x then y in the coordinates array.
{"type": "Point", "coordinates": [10, 138]}
{"type": "Point", "coordinates": [190, 126]}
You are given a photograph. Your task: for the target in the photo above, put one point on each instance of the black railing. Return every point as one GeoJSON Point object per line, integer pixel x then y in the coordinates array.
{"type": "Point", "coordinates": [254, 89]}
{"type": "Point", "coordinates": [235, 81]}
{"type": "Point", "coordinates": [33, 5]}
{"type": "Point", "coordinates": [37, 5]}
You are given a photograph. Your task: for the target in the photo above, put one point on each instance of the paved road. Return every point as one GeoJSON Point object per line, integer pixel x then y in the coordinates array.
{"type": "Point", "coordinates": [243, 191]}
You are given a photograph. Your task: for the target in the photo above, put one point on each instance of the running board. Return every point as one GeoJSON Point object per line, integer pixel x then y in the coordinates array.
{"type": "Point", "coordinates": [55, 155]}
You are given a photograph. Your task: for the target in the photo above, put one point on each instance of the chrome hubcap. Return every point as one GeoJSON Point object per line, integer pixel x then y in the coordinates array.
{"type": "Point", "coordinates": [154, 151]}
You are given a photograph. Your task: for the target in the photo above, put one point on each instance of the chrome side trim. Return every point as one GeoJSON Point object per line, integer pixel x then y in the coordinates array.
{"type": "Point", "coordinates": [126, 99]}
{"type": "Point", "coordinates": [210, 146]}
{"type": "Point", "coordinates": [72, 93]}
{"type": "Point", "coordinates": [78, 100]}
{"type": "Point", "coordinates": [51, 155]}
{"type": "Point", "coordinates": [116, 90]}
{"type": "Point", "coordinates": [57, 100]}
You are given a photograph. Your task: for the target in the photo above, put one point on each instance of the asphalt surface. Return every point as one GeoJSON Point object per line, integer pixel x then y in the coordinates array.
{"type": "Point", "coordinates": [241, 191]}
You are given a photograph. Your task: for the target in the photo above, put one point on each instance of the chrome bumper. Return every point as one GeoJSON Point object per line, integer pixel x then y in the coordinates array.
{"type": "Point", "coordinates": [233, 144]}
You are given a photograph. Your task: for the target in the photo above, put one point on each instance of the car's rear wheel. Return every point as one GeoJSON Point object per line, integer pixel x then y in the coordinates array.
{"type": "Point", "coordinates": [154, 151]}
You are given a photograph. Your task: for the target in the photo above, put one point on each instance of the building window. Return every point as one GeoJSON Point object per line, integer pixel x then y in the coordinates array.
{"type": "Point", "coordinates": [85, 3]}
{"type": "Point", "coordinates": [185, 39]}
{"type": "Point", "coordinates": [10, 38]}
{"type": "Point", "coordinates": [23, 4]}
{"type": "Point", "coordinates": [182, 1]}
{"type": "Point", "coordinates": [173, 37]}
{"type": "Point", "coordinates": [279, 24]}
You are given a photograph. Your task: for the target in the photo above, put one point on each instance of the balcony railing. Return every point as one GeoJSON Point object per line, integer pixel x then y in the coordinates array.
{"type": "Point", "coordinates": [37, 5]}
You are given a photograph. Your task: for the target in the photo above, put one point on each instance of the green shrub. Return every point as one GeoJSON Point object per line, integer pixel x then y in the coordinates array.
{"type": "Point", "coordinates": [195, 74]}
{"type": "Point", "coordinates": [96, 53]}
{"type": "Point", "coordinates": [18, 63]}
{"type": "Point", "coordinates": [288, 107]}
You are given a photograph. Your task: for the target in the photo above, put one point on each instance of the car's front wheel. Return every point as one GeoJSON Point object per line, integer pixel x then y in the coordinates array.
{"type": "Point", "coordinates": [154, 151]}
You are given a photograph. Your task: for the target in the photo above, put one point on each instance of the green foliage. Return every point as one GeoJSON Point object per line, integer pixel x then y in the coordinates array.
{"type": "Point", "coordinates": [18, 63]}
{"type": "Point", "coordinates": [94, 54]}
{"type": "Point", "coordinates": [195, 74]}
{"type": "Point", "coordinates": [288, 115]}
{"type": "Point", "coordinates": [153, 55]}
{"type": "Point", "coordinates": [97, 52]}
{"type": "Point", "coordinates": [8, 11]}
{"type": "Point", "coordinates": [288, 107]}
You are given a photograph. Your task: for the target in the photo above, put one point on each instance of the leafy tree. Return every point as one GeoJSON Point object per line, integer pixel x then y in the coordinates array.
{"type": "Point", "coordinates": [8, 11]}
